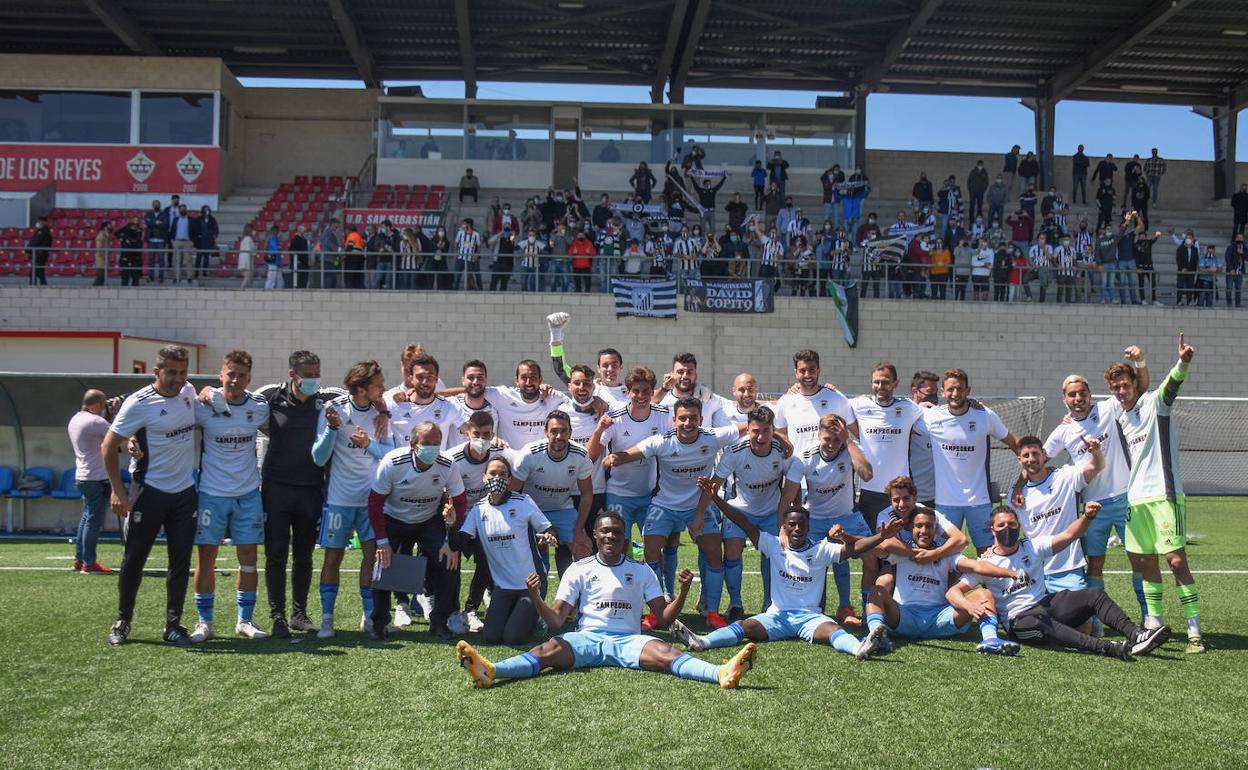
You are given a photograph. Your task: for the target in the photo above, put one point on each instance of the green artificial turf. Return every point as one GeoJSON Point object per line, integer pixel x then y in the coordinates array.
{"type": "Point", "coordinates": [71, 700]}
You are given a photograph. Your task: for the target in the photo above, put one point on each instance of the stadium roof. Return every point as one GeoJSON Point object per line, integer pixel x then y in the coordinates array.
{"type": "Point", "coordinates": [1173, 51]}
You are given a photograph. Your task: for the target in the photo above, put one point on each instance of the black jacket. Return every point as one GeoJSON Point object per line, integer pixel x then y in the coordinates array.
{"type": "Point", "coordinates": [292, 431]}
{"type": "Point", "coordinates": [922, 191]}
{"type": "Point", "coordinates": [39, 244]}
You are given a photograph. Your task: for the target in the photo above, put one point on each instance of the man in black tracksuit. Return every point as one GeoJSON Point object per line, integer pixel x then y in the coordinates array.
{"type": "Point", "coordinates": [292, 489]}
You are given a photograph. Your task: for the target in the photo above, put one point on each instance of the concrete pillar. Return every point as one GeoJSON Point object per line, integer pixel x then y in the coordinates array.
{"type": "Point", "coordinates": [860, 130]}
{"type": "Point", "coordinates": [1225, 122]}
{"type": "Point", "coordinates": [1045, 114]}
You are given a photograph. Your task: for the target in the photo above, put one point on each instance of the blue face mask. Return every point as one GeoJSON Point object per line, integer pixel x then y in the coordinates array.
{"type": "Point", "coordinates": [309, 386]}
{"type": "Point", "coordinates": [426, 454]}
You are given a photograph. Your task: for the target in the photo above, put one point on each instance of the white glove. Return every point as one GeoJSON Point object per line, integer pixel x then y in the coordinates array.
{"type": "Point", "coordinates": [556, 322]}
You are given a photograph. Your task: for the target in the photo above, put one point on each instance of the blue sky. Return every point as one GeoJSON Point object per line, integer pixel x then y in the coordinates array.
{"type": "Point", "coordinates": [950, 123]}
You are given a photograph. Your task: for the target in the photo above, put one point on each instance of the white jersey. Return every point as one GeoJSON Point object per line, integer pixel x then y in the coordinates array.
{"type": "Point", "coordinates": [1051, 506]}
{"type": "Point", "coordinates": [504, 534]}
{"type": "Point", "coordinates": [550, 482]}
{"type": "Point", "coordinates": [829, 482]}
{"type": "Point", "coordinates": [412, 495]}
{"type": "Point", "coordinates": [583, 425]}
{"type": "Point", "coordinates": [625, 432]}
{"type": "Point", "coordinates": [471, 472]}
{"type": "Point", "coordinates": [466, 411]}
{"type": "Point", "coordinates": [164, 427]}
{"type": "Point", "coordinates": [922, 468]}
{"type": "Point", "coordinates": [681, 464]}
{"type": "Point", "coordinates": [798, 575]}
{"type": "Point", "coordinates": [800, 416]}
{"type": "Point", "coordinates": [609, 597]}
{"type": "Point", "coordinates": [388, 397]}
{"type": "Point", "coordinates": [712, 405]}
{"type": "Point", "coordinates": [352, 467]}
{"type": "Point", "coordinates": [923, 585]}
{"type": "Point", "coordinates": [521, 422]}
{"type": "Point", "coordinates": [1012, 596]}
{"type": "Point", "coordinates": [1101, 425]}
{"type": "Point", "coordinates": [735, 414]}
{"type": "Point", "coordinates": [757, 479]}
{"type": "Point", "coordinates": [960, 453]}
{"type": "Point", "coordinates": [405, 415]}
{"type": "Point", "coordinates": [884, 435]}
{"type": "Point", "coordinates": [227, 464]}
{"type": "Point", "coordinates": [943, 525]}
{"type": "Point", "coordinates": [1152, 443]}
{"type": "Point", "coordinates": [614, 395]}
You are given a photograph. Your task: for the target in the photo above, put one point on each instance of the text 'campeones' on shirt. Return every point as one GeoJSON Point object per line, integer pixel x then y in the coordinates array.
{"type": "Point", "coordinates": [519, 421]}
{"type": "Point", "coordinates": [406, 415]}
{"type": "Point", "coordinates": [549, 481]}
{"type": "Point", "coordinates": [413, 495]}
{"type": "Point", "coordinates": [1101, 423]}
{"type": "Point", "coordinates": [227, 462]}
{"type": "Point", "coordinates": [829, 482]}
{"type": "Point", "coordinates": [472, 472]}
{"type": "Point", "coordinates": [799, 415]}
{"type": "Point", "coordinates": [798, 575]}
{"type": "Point", "coordinates": [1051, 505]}
{"type": "Point", "coordinates": [681, 464]}
{"type": "Point", "coordinates": [884, 435]}
{"type": "Point", "coordinates": [758, 478]}
{"type": "Point", "coordinates": [961, 449]}
{"type": "Point", "coordinates": [164, 427]}
{"type": "Point", "coordinates": [923, 585]}
{"type": "Point", "coordinates": [634, 479]}
{"type": "Point", "coordinates": [609, 597]}
{"type": "Point", "coordinates": [1013, 596]}
{"type": "Point", "coordinates": [353, 466]}
{"type": "Point", "coordinates": [505, 532]}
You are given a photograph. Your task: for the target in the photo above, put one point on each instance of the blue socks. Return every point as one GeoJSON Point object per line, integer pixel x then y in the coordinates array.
{"type": "Point", "coordinates": [689, 667]}
{"type": "Point", "coordinates": [726, 636]}
{"type": "Point", "coordinates": [366, 596]}
{"type": "Point", "coordinates": [246, 605]}
{"type": "Point", "coordinates": [203, 606]}
{"type": "Point", "coordinates": [520, 666]}
{"type": "Point", "coordinates": [840, 572]}
{"type": "Point", "coordinates": [732, 580]}
{"type": "Point", "coordinates": [329, 596]}
{"type": "Point", "coordinates": [713, 587]}
{"type": "Point", "coordinates": [670, 557]}
{"type": "Point", "coordinates": [842, 640]}
{"type": "Point", "coordinates": [1137, 582]}
{"type": "Point", "coordinates": [988, 628]}
{"type": "Point", "coordinates": [874, 619]}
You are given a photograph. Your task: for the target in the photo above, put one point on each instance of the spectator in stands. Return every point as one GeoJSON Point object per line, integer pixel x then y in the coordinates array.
{"type": "Point", "coordinates": [468, 263]}
{"type": "Point", "coordinates": [410, 260]}
{"type": "Point", "coordinates": [1187, 261]}
{"type": "Point", "coordinates": [706, 199]}
{"type": "Point", "coordinates": [772, 201]}
{"type": "Point", "coordinates": [297, 246]}
{"type": "Point", "coordinates": [1236, 259]}
{"type": "Point", "coordinates": [998, 195]}
{"type": "Point", "coordinates": [940, 272]}
{"type": "Point", "coordinates": [608, 154]}
{"type": "Point", "coordinates": [609, 241]}
{"type": "Point", "coordinates": [1079, 165]}
{"type": "Point", "coordinates": [503, 244]}
{"type": "Point", "coordinates": [982, 256]}
{"type": "Point", "coordinates": [131, 257]}
{"type": "Point", "coordinates": [1133, 171]}
{"type": "Point", "coordinates": [1207, 270]}
{"type": "Point", "coordinates": [1088, 278]}
{"type": "Point", "coordinates": [330, 260]}
{"type": "Point", "coordinates": [786, 214]}
{"type": "Point", "coordinates": [38, 248]}
{"type": "Point", "coordinates": [532, 217]}
{"type": "Point", "coordinates": [246, 255]}
{"type": "Point", "coordinates": [778, 171]}
{"type": "Point", "coordinates": [919, 259]}
{"type": "Point", "coordinates": [1144, 263]}
{"type": "Point", "coordinates": [576, 204]}
{"type": "Point", "coordinates": [273, 258]}
{"type": "Point", "coordinates": [1239, 209]}
{"type": "Point", "coordinates": [103, 239]}
{"type": "Point", "coordinates": [384, 245]}
{"type": "Point", "coordinates": [492, 213]}
{"type": "Point", "coordinates": [1105, 171]}
{"type": "Point", "coordinates": [1107, 263]}
{"type": "Point", "coordinates": [1003, 283]}
{"type": "Point", "coordinates": [859, 189]}
{"type": "Point", "coordinates": [1105, 200]}
{"type": "Point", "coordinates": [439, 264]}
{"type": "Point", "coordinates": [737, 211]}
{"type": "Point", "coordinates": [553, 209]}
{"type": "Point", "coordinates": [353, 258]}
{"type": "Point", "coordinates": [977, 185]}
{"type": "Point", "coordinates": [758, 175]}
{"type": "Point", "coordinates": [1129, 278]}
{"type": "Point", "coordinates": [204, 232]}
{"type": "Point", "coordinates": [183, 254]}
{"type": "Point", "coordinates": [949, 204]}
{"type": "Point", "coordinates": [1020, 223]}
{"type": "Point", "coordinates": [1154, 170]}
{"type": "Point", "coordinates": [921, 192]}
{"type": "Point", "coordinates": [1139, 199]}
{"type": "Point", "coordinates": [156, 223]}
{"type": "Point", "coordinates": [430, 147]}
{"type": "Point", "coordinates": [1029, 170]}
{"type": "Point", "coordinates": [1009, 168]}
{"type": "Point", "coordinates": [582, 251]}
{"type": "Point", "coordinates": [601, 214]}
{"type": "Point", "coordinates": [643, 182]}
{"type": "Point", "coordinates": [1028, 199]}
{"type": "Point", "coordinates": [469, 185]}
{"type": "Point", "coordinates": [830, 180]}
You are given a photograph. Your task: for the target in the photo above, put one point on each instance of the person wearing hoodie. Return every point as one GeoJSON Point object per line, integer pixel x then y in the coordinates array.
{"type": "Point", "coordinates": [922, 192]}
{"type": "Point", "coordinates": [998, 194]}
{"type": "Point", "coordinates": [1029, 170]}
{"type": "Point", "coordinates": [977, 185]}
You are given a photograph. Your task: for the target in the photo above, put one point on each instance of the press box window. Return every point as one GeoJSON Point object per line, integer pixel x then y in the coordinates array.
{"type": "Point", "coordinates": [169, 118]}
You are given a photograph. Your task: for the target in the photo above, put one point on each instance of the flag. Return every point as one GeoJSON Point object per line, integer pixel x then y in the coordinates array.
{"type": "Point", "coordinates": [845, 299]}
{"type": "Point", "coordinates": [647, 298]}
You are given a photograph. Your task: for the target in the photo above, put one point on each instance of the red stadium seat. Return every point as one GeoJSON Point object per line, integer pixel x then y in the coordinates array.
{"type": "Point", "coordinates": [318, 181]}
{"type": "Point", "coordinates": [301, 180]}
{"type": "Point", "coordinates": [336, 181]}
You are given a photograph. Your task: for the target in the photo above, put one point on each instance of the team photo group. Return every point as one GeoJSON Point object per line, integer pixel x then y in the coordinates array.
{"type": "Point", "coordinates": [601, 470]}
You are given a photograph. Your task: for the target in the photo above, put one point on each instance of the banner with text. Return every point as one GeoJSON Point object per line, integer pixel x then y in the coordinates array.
{"type": "Point", "coordinates": [648, 298]}
{"type": "Point", "coordinates": [400, 218]}
{"type": "Point", "coordinates": [726, 295]}
{"type": "Point", "coordinates": [121, 169]}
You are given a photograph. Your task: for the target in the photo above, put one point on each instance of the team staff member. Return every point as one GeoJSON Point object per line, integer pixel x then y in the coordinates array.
{"type": "Point", "coordinates": [87, 429]}
{"type": "Point", "coordinates": [293, 488]}
{"type": "Point", "coordinates": [161, 417]}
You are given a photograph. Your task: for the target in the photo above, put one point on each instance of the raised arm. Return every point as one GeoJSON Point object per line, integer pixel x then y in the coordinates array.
{"type": "Point", "coordinates": [1077, 527]}
{"type": "Point", "coordinates": [620, 458]}
{"type": "Point", "coordinates": [983, 568]}
{"type": "Point", "coordinates": [711, 490]}
{"type": "Point", "coordinates": [1097, 463]}
{"type": "Point", "coordinates": [667, 612]}
{"type": "Point", "coordinates": [862, 466]}
{"type": "Point", "coordinates": [555, 616]}
{"type": "Point", "coordinates": [595, 446]}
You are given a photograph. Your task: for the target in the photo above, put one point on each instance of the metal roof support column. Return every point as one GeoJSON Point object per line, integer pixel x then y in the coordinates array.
{"type": "Point", "coordinates": [1225, 127]}
{"type": "Point", "coordinates": [1045, 114]}
{"type": "Point", "coordinates": [860, 129]}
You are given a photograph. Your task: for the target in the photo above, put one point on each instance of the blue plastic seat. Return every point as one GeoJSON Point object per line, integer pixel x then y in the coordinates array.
{"type": "Point", "coordinates": [6, 479]}
{"type": "Point", "coordinates": [43, 472]}
{"type": "Point", "coordinates": [68, 488]}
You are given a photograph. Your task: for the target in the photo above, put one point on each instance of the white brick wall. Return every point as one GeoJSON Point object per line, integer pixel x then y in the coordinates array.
{"type": "Point", "coordinates": [1007, 349]}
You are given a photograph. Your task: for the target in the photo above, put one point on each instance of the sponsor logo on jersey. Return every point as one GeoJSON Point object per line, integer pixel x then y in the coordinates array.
{"type": "Point", "coordinates": [163, 413]}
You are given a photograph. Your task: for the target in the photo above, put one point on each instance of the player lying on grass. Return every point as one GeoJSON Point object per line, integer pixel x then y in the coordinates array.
{"type": "Point", "coordinates": [1036, 617]}
{"type": "Point", "coordinates": [798, 574]}
{"type": "Point", "coordinates": [917, 607]}
{"type": "Point", "coordinates": [607, 591]}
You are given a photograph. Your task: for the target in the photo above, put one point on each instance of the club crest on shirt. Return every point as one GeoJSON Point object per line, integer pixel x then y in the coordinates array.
{"type": "Point", "coordinates": [897, 410]}
{"type": "Point", "coordinates": [163, 413]}
{"type": "Point", "coordinates": [187, 401]}
{"type": "Point", "coordinates": [250, 415]}
{"type": "Point", "coordinates": [705, 449]}
{"type": "Point", "coordinates": [541, 470]}
{"type": "Point", "coordinates": [1027, 561]}
{"type": "Point", "coordinates": [436, 478]}
{"type": "Point", "coordinates": [970, 426]}
{"type": "Point", "coordinates": [571, 470]}
{"type": "Point", "coordinates": [775, 465]}
{"type": "Point", "coordinates": [511, 512]}
{"type": "Point", "coordinates": [823, 404]}
{"type": "Point", "coordinates": [840, 467]}
{"type": "Point", "coordinates": [628, 578]}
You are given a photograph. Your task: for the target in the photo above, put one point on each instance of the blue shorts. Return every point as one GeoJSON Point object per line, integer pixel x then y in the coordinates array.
{"type": "Point", "coordinates": [563, 522]}
{"type": "Point", "coordinates": [1113, 514]}
{"type": "Point", "coordinates": [1070, 580]}
{"type": "Point", "coordinates": [767, 523]}
{"type": "Point", "coordinates": [243, 516]}
{"type": "Point", "coordinates": [853, 524]}
{"type": "Point", "coordinates": [606, 648]}
{"type": "Point", "coordinates": [928, 621]}
{"type": "Point", "coordinates": [977, 518]}
{"type": "Point", "coordinates": [791, 624]}
{"type": "Point", "coordinates": [662, 521]}
{"type": "Point", "coordinates": [339, 521]}
{"type": "Point", "coordinates": [631, 509]}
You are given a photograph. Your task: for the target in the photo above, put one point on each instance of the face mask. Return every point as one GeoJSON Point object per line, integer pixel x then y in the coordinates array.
{"type": "Point", "coordinates": [309, 386]}
{"type": "Point", "coordinates": [506, 209]}
{"type": "Point", "coordinates": [495, 485]}
{"type": "Point", "coordinates": [426, 454]}
{"type": "Point", "coordinates": [734, 239]}
{"type": "Point", "coordinates": [1187, 242]}
{"type": "Point", "coordinates": [871, 220]}
{"type": "Point", "coordinates": [1008, 537]}
{"type": "Point", "coordinates": [479, 445]}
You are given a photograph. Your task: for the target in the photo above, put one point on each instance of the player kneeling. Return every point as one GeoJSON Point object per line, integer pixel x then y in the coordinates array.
{"type": "Point", "coordinates": [798, 574]}
{"type": "Point", "coordinates": [917, 608]}
{"type": "Point", "coordinates": [608, 592]}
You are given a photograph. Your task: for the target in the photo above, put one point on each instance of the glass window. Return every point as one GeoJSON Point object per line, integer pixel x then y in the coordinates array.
{"type": "Point", "coordinates": [725, 138]}
{"type": "Point", "coordinates": [175, 118]}
{"type": "Point", "coordinates": [503, 132]}
{"type": "Point", "coordinates": [65, 117]}
{"type": "Point", "coordinates": [815, 145]}
{"type": "Point", "coordinates": [424, 131]}
{"type": "Point", "coordinates": [626, 137]}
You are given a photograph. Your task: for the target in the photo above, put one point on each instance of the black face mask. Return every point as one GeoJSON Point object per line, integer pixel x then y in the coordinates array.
{"type": "Point", "coordinates": [1008, 537]}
